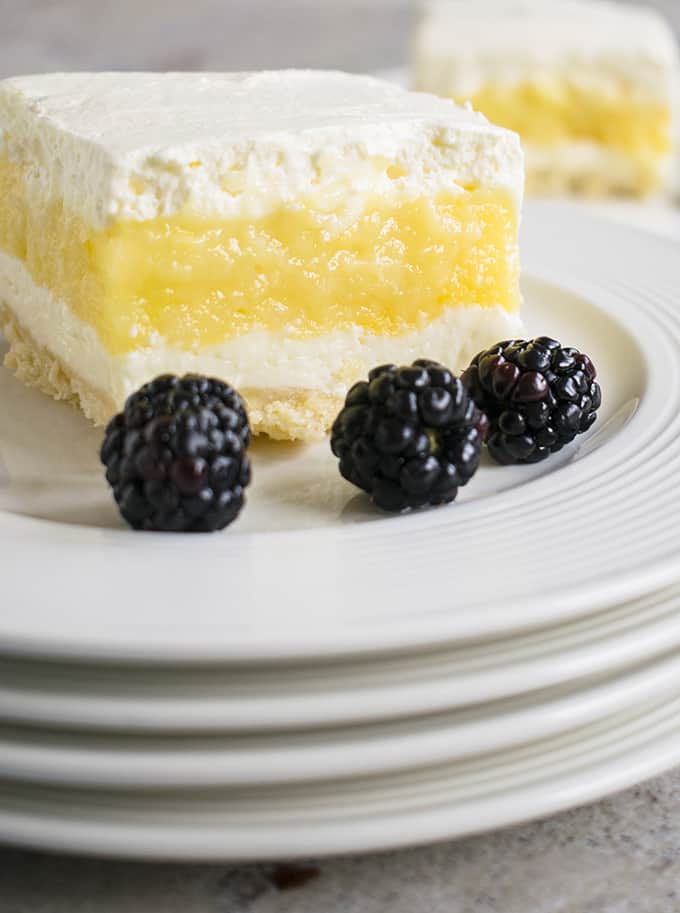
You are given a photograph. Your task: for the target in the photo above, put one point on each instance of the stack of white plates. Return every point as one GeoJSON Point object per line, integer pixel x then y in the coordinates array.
{"type": "Point", "coordinates": [321, 678]}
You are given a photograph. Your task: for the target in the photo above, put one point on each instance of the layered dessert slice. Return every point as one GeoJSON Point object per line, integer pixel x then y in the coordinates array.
{"type": "Point", "coordinates": [285, 231]}
{"type": "Point", "coordinates": [589, 85]}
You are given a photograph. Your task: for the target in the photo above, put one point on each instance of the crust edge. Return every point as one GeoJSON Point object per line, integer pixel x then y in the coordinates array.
{"type": "Point", "coordinates": [304, 415]}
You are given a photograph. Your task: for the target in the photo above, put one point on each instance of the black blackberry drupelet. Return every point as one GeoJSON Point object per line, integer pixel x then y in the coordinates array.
{"type": "Point", "coordinates": [176, 457]}
{"type": "Point", "coordinates": [409, 436]}
{"type": "Point", "coordinates": [538, 396]}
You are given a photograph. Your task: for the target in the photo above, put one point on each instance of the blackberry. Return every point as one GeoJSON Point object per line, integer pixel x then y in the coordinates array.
{"type": "Point", "coordinates": [538, 396]}
{"type": "Point", "coordinates": [409, 436]}
{"type": "Point", "coordinates": [176, 456]}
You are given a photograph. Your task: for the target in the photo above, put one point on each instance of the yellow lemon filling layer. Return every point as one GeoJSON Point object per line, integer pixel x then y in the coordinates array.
{"type": "Point", "coordinates": [556, 111]}
{"type": "Point", "coordinates": [389, 267]}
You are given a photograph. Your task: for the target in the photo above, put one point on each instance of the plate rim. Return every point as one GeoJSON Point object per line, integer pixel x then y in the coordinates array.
{"type": "Point", "coordinates": [653, 748]}
{"type": "Point", "coordinates": [399, 687]}
{"type": "Point", "coordinates": [88, 761]}
{"type": "Point", "coordinates": [406, 634]}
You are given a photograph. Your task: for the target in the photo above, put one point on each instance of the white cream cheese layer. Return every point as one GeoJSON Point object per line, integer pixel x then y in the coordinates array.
{"type": "Point", "coordinates": [135, 146]}
{"type": "Point", "coordinates": [259, 360]}
{"type": "Point", "coordinates": [461, 46]}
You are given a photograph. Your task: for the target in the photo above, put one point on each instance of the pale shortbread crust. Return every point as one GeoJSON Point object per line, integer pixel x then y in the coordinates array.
{"type": "Point", "coordinates": [37, 367]}
{"type": "Point", "coordinates": [283, 415]}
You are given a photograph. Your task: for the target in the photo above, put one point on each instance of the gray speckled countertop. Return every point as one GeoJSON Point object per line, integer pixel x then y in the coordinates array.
{"type": "Point", "coordinates": [618, 856]}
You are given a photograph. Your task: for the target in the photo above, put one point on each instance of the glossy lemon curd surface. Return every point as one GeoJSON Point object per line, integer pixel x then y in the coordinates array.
{"type": "Point", "coordinates": [557, 111]}
{"type": "Point", "coordinates": [388, 266]}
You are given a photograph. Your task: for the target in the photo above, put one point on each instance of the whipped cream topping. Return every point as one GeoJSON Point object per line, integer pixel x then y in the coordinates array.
{"type": "Point", "coordinates": [460, 46]}
{"type": "Point", "coordinates": [140, 145]}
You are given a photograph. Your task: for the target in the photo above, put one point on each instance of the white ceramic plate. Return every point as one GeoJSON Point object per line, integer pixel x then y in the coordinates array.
{"type": "Point", "coordinates": [146, 762]}
{"type": "Point", "coordinates": [311, 570]}
{"type": "Point", "coordinates": [255, 698]}
{"type": "Point", "coordinates": [355, 815]}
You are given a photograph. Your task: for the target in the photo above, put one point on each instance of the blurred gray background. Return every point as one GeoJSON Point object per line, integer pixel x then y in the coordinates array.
{"type": "Point", "coordinates": [356, 35]}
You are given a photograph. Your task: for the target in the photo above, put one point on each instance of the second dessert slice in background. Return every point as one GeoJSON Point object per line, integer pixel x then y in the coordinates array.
{"type": "Point", "coordinates": [285, 231]}
{"type": "Point", "coordinates": [589, 85]}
